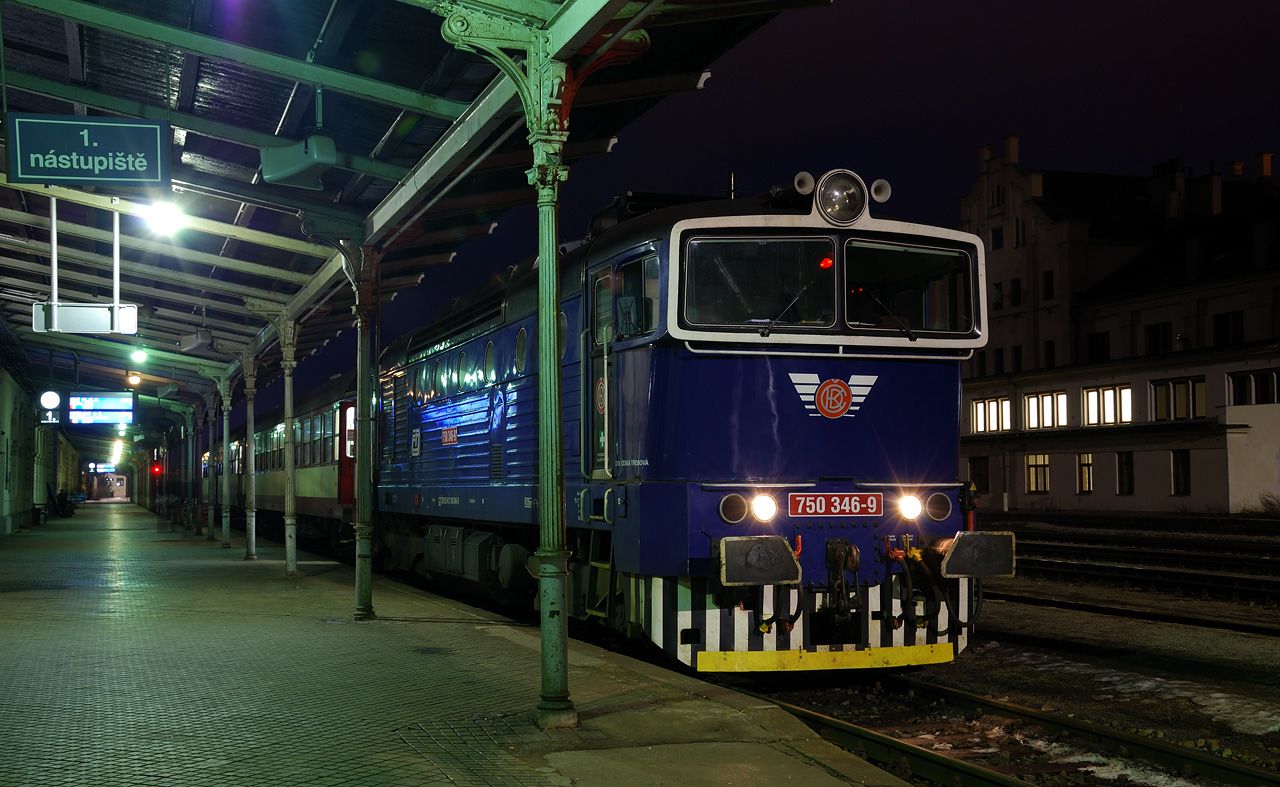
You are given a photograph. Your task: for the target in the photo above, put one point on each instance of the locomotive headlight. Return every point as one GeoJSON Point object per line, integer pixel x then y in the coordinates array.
{"type": "Point", "coordinates": [764, 508]}
{"type": "Point", "coordinates": [841, 196]}
{"type": "Point", "coordinates": [909, 507]}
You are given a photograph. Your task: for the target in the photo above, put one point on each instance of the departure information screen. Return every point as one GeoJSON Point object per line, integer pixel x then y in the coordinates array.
{"type": "Point", "coordinates": [101, 408]}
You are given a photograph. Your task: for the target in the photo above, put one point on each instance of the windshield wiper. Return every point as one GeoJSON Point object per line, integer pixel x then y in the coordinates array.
{"type": "Point", "coordinates": [764, 332]}
{"type": "Point", "coordinates": [902, 325]}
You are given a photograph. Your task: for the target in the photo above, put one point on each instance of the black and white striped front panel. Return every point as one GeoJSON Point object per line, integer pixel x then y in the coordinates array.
{"type": "Point", "coordinates": [668, 606]}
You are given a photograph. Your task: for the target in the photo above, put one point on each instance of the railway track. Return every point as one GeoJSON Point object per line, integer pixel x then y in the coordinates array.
{"type": "Point", "coordinates": [948, 768]}
{"type": "Point", "coordinates": [1207, 583]}
{"type": "Point", "coordinates": [1234, 624]}
{"type": "Point", "coordinates": [1198, 525]}
{"type": "Point", "coordinates": [1191, 558]}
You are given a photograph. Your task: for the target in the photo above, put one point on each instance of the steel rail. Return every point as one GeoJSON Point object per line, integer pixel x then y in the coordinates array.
{"type": "Point", "coordinates": [884, 750]}
{"type": "Point", "coordinates": [1132, 612]}
{"type": "Point", "coordinates": [1157, 557]}
{"type": "Point", "coordinates": [1179, 758]}
{"type": "Point", "coordinates": [1217, 583]}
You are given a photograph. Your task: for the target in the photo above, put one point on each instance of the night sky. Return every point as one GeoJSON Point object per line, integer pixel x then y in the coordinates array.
{"type": "Point", "coordinates": [908, 92]}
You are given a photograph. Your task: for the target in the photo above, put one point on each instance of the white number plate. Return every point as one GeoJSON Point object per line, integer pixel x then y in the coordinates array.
{"type": "Point", "coordinates": [800, 504]}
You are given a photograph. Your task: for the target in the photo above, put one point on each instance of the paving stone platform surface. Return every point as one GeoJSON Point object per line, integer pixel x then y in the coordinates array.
{"type": "Point", "coordinates": [136, 654]}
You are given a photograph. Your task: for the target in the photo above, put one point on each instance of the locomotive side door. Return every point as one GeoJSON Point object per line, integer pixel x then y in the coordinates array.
{"type": "Point", "coordinates": [597, 344]}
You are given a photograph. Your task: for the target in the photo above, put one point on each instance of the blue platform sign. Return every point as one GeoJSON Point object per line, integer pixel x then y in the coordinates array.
{"type": "Point", "coordinates": [71, 150]}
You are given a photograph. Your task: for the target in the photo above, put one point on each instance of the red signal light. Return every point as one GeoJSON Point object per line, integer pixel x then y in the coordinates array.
{"type": "Point", "coordinates": [157, 469]}
{"type": "Point", "coordinates": [827, 262]}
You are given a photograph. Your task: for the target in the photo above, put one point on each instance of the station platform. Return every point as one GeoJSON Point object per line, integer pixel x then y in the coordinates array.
{"type": "Point", "coordinates": [135, 654]}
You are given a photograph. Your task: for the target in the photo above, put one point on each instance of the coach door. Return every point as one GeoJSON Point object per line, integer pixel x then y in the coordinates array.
{"type": "Point", "coordinates": [597, 394]}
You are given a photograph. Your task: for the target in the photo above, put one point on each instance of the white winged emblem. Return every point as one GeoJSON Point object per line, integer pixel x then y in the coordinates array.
{"type": "Point", "coordinates": [834, 398]}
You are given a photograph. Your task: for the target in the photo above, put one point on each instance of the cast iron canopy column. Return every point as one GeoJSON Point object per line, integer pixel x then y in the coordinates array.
{"type": "Point", "coordinates": [250, 463]}
{"type": "Point", "coordinates": [211, 420]}
{"type": "Point", "coordinates": [287, 333]}
{"type": "Point", "coordinates": [540, 76]}
{"type": "Point", "coordinates": [365, 262]}
{"type": "Point", "coordinates": [224, 394]}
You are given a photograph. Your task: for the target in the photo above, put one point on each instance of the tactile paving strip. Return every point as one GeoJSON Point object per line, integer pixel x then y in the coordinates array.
{"type": "Point", "coordinates": [481, 752]}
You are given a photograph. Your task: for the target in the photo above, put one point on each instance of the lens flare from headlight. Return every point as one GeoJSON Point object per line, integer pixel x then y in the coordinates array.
{"type": "Point", "coordinates": [909, 507]}
{"type": "Point", "coordinates": [764, 508]}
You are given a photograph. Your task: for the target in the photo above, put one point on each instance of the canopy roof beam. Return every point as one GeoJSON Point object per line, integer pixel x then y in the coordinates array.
{"type": "Point", "coordinates": [120, 205]}
{"type": "Point", "coordinates": [145, 29]}
{"type": "Point", "coordinates": [191, 281]}
{"type": "Point", "coordinates": [154, 246]}
{"type": "Point", "coordinates": [114, 351]}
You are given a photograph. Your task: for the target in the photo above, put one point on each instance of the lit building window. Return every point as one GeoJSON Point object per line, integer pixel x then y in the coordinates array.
{"type": "Point", "coordinates": [1112, 404]}
{"type": "Point", "coordinates": [1044, 410]}
{"type": "Point", "coordinates": [992, 415]}
{"type": "Point", "coordinates": [1037, 473]}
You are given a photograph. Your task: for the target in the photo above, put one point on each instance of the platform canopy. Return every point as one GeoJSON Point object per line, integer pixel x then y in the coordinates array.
{"type": "Point", "coordinates": [430, 150]}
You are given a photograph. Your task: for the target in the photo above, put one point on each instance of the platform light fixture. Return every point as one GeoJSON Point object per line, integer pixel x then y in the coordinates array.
{"type": "Point", "coordinates": [164, 218]}
{"type": "Point", "coordinates": [133, 378]}
{"type": "Point", "coordinates": [138, 356]}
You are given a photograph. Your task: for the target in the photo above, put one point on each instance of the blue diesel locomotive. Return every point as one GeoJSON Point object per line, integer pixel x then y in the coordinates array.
{"type": "Point", "coordinates": [760, 419]}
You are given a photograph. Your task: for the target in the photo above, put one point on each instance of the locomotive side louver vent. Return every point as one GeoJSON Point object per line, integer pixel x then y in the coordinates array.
{"type": "Point", "coordinates": [495, 463]}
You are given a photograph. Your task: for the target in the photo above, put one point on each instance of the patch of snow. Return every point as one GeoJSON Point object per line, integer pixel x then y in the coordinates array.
{"type": "Point", "coordinates": [1243, 714]}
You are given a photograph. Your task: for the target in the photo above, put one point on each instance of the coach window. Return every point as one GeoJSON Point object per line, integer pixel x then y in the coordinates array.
{"type": "Point", "coordinates": [441, 376]}
{"type": "Point", "coordinates": [304, 445]}
{"type": "Point", "coordinates": [522, 350]}
{"type": "Point", "coordinates": [460, 374]}
{"type": "Point", "coordinates": [637, 297]}
{"type": "Point", "coordinates": [327, 436]}
{"type": "Point", "coordinates": [349, 432]}
{"type": "Point", "coordinates": [317, 439]}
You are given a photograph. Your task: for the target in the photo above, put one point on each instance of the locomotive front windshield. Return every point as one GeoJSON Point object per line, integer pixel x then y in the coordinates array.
{"type": "Point", "coordinates": [906, 288]}
{"type": "Point", "coordinates": [757, 282]}
{"type": "Point", "coordinates": [813, 285]}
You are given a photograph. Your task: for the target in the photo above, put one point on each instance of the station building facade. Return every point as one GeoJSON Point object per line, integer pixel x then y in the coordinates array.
{"type": "Point", "coordinates": [1133, 347]}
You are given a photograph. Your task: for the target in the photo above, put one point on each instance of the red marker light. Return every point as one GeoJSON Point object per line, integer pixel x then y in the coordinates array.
{"type": "Point", "coordinates": [827, 262]}
{"type": "Point", "coordinates": [157, 469]}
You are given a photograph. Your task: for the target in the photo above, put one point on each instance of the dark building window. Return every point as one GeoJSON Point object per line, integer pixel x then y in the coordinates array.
{"type": "Point", "coordinates": [1228, 329]}
{"type": "Point", "coordinates": [1257, 387]}
{"type": "Point", "coordinates": [1176, 400]}
{"type": "Point", "coordinates": [1019, 233]}
{"type": "Point", "coordinates": [980, 474]}
{"type": "Point", "coordinates": [1181, 458]}
{"type": "Point", "coordinates": [1046, 284]}
{"type": "Point", "coordinates": [1049, 350]}
{"type": "Point", "coordinates": [998, 356]}
{"type": "Point", "coordinates": [980, 363]}
{"type": "Point", "coordinates": [1124, 472]}
{"type": "Point", "coordinates": [1015, 292]}
{"type": "Point", "coordinates": [1084, 474]}
{"type": "Point", "coordinates": [1099, 347]}
{"type": "Point", "coordinates": [997, 296]}
{"type": "Point", "coordinates": [1016, 358]}
{"type": "Point", "coordinates": [1159, 338]}
{"type": "Point", "coordinates": [1037, 473]}
{"type": "Point", "coordinates": [997, 238]}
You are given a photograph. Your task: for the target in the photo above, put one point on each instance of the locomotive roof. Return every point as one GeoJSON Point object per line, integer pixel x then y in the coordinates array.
{"type": "Point", "coordinates": [518, 296]}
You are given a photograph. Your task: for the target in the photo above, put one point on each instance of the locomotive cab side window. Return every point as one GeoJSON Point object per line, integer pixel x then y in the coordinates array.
{"type": "Point", "coordinates": [637, 301]}
{"type": "Point", "coordinates": [760, 282]}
